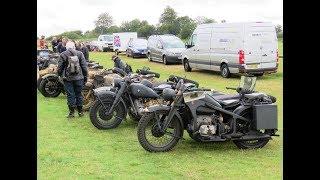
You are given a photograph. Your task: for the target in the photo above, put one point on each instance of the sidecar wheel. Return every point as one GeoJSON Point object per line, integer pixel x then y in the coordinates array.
{"type": "Point", "coordinates": [245, 128]}
{"type": "Point", "coordinates": [251, 144]}
{"type": "Point", "coordinates": [100, 120]}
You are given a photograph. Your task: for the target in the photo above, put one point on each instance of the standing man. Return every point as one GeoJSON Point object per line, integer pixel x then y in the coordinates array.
{"type": "Point", "coordinates": [43, 43]}
{"type": "Point", "coordinates": [61, 47]}
{"type": "Point", "coordinates": [54, 44]}
{"type": "Point", "coordinates": [85, 51]}
{"type": "Point", "coordinates": [72, 68]}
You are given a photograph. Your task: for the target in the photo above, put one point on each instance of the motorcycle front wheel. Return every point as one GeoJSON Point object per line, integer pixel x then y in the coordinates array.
{"type": "Point", "coordinates": [152, 139]}
{"type": "Point", "coordinates": [101, 120]}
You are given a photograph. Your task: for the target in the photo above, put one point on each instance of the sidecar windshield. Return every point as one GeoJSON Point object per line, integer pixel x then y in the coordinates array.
{"type": "Point", "coordinates": [248, 82]}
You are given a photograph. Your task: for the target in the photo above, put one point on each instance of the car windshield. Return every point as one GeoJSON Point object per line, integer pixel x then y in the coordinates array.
{"type": "Point", "coordinates": [108, 38]}
{"type": "Point", "coordinates": [140, 43]}
{"type": "Point", "coordinates": [172, 42]}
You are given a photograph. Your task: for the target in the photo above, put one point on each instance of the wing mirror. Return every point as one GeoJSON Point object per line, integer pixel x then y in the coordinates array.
{"type": "Point", "coordinates": [189, 46]}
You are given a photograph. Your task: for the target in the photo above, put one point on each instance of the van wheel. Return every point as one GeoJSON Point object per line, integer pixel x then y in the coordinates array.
{"type": "Point", "coordinates": [225, 71]}
{"type": "Point", "coordinates": [258, 74]}
{"type": "Point", "coordinates": [186, 66]}
{"type": "Point", "coordinates": [164, 59]}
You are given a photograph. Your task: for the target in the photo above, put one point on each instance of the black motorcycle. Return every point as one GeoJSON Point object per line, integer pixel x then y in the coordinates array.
{"type": "Point", "coordinates": [249, 118]}
{"type": "Point", "coordinates": [127, 96]}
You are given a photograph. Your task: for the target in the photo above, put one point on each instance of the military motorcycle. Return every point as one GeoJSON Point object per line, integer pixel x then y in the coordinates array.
{"type": "Point", "coordinates": [127, 96]}
{"type": "Point", "coordinates": [248, 118]}
{"type": "Point", "coordinates": [50, 85]}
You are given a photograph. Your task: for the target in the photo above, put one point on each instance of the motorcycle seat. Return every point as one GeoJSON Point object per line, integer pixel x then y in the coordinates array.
{"type": "Point", "coordinates": [254, 95]}
{"type": "Point", "coordinates": [226, 97]}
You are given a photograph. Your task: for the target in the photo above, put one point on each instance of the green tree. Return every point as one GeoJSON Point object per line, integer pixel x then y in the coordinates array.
{"type": "Point", "coordinates": [113, 29]}
{"type": "Point", "coordinates": [168, 29]}
{"type": "Point", "coordinates": [168, 22]}
{"type": "Point", "coordinates": [168, 16]}
{"type": "Point", "coordinates": [204, 20]}
{"type": "Point", "coordinates": [186, 26]}
{"type": "Point", "coordinates": [103, 22]}
{"type": "Point", "coordinates": [146, 30]}
{"type": "Point", "coordinates": [132, 26]}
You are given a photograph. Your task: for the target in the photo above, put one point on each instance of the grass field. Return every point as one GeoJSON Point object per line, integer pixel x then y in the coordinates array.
{"type": "Point", "coordinates": [77, 150]}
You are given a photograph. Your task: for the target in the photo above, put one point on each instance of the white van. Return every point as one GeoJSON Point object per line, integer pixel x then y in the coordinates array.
{"type": "Point", "coordinates": [120, 40]}
{"type": "Point", "coordinates": [233, 48]}
{"type": "Point", "coordinates": [106, 41]}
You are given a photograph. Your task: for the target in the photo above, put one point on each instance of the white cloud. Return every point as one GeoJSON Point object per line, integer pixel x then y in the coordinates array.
{"type": "Point", "coordinates": [57, 16]}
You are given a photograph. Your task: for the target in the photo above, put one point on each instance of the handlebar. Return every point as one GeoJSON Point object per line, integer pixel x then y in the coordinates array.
{"type": "Point", "coordinates": [146, 72]}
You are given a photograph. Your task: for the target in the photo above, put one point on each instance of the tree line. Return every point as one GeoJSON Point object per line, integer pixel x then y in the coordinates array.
{"type": "Point", "coordinates": [169, 23]}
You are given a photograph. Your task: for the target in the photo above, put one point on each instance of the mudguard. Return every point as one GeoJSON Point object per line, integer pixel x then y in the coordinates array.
{"type": "Point", "coordinates": [240, 109]}
{"type": "Point", "coordinates": [156, 108]}
{"type": "Point", "coordinates": [105, 93]}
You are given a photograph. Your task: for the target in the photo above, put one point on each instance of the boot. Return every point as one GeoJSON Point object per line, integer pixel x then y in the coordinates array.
{"type": "Point", "coordinates": [80, 111]}
{"type": "Point", "coordinates": [71, 112]}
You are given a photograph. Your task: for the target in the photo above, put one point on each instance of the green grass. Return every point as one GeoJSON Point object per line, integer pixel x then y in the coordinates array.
{"type": "Point", "coordinates": [77, 150]}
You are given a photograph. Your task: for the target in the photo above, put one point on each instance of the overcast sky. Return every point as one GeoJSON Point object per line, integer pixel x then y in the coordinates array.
{"type": "Point", "coordinates": [57, 16]}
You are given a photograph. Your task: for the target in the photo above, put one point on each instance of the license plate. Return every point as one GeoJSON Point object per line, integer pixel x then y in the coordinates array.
{"type": "Point", "coordinates": [252, 66]}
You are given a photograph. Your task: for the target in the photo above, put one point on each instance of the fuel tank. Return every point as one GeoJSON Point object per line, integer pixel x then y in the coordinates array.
{"type": "Point", "coordinates": [139, 90]}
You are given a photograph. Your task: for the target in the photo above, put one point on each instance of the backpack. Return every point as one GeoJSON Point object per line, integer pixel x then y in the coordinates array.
{"type": "Point", "coordinates": [73, 65]}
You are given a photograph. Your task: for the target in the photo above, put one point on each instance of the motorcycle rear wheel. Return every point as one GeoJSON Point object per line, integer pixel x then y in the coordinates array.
{"type": "Point", "coordinates": [50, 87]}
{"type": "Point", "coordinates": [154, 140]}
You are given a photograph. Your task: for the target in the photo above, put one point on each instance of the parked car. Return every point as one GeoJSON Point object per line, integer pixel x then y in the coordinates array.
{"type": "Point", "coordinates": [165, 48]}
{"type": "Point", "coordinates": [137, 48]}
{"type": "Point", "coordinates": [106, 42]}
{"type": "Point", "coordinates": [233, 48]}
{"type": "Point", "coordinates": [95, 46]}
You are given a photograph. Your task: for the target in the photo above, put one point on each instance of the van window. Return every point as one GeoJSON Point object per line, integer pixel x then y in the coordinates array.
{"type": "Point", "coordinates": [193, 39]}
{"type": "Point", "coordinates": [151, 42]}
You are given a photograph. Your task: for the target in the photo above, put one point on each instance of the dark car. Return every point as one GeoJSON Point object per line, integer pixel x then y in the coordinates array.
{"type": "Point", "coordinates": [165, 48]}
{"type": "Point", "coordinates": [137, 48]}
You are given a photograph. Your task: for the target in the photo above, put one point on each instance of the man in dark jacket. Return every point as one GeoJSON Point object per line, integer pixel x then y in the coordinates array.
{"type": "Point", "coordinates": [81, 47]}
{"type": "Point", "coordinates": [61, 47]}
{"type": "Point", "coordinates": [73, 83]}
{"type": "Point", "coordinates": [54, 44]}
{"type": "Point", "coordinates": [118, 63]}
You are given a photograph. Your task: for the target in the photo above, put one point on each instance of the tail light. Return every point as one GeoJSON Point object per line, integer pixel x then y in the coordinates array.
{"type": "Point", "coordinates": [277, 56]}
{"type": "Point", "coordinates": [241, 57]}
